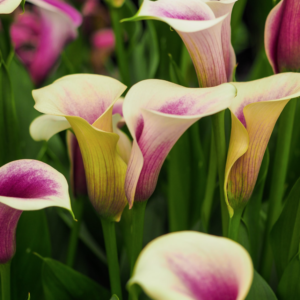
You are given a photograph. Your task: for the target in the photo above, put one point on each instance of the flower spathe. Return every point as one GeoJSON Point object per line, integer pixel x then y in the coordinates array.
{"type": "Point", "coordinates": [282, 36]}
{"type": "Point", "coordinates": [27, 185]}
{"type": "Point", "coordinates": [86, 102]}
{"type": "Point", "coordinates": [8, 6]}
{"type": "Point", "coordinates": [254, 113]}
{"type": "Point", "coordinates": [157, 113]}
{"type": "Point", "coordinates": [204, 27]}
{"type": "Point", "coordinates": [193, 266]}
{"type": "Point", "coordinates": [41, 33]}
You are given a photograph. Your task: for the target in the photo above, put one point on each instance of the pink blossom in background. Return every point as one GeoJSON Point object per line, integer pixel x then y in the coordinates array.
{"type": "Point", "coordinates": [41, 33]}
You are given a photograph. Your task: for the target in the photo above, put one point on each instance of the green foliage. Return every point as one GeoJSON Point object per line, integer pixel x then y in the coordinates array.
{"type": "Point", "coordinates": [260, 289]}
{"type": "Point", "coordinates": [61, 282]}
{"type": "Point", "coordinates": [285, 234]}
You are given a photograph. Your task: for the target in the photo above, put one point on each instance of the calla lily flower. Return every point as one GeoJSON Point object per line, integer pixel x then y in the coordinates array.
{"type": "Point", "coordinates": [86, 102]}
{"type": "Point", "coordinates": [27, 185]}
{"type": "Point", "coordinates": [254, 113]}
{"type": "Point", "coordinates": [282, 36]}
{"type": "Point", "coordinates": [8, 6]}
{"type": "Point", "coordinates": [157, 113]}
{"type": "Point", "coordinates": [41, 33]}
{"type": "Point", "coordinates": [191, 265]}
{"type": "Point", "coordinates": [204, 27]}
{"type": "Point", "coordinates": [77, 173]}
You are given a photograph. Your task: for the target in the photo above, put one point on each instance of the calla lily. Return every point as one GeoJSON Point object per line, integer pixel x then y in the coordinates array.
{"type": "Point", "coordinates": [86, 102]}
{"type": "Point", "coordinates": [27, 185]}
{"type": "Point", "coordinates": [191, 265]}
{"type": "Point", "coordinates": [204, 27]}
{"type": "Point", "coordinates": [282, 36]}
{"type": "Point", "coordinates": [157, 113]}
{"type": "Point", "coordinates": [254, 113]}
{"type": "Point", "coordinates": [40, 34]}
{"type": "Point", "coordinates": [77, 173]}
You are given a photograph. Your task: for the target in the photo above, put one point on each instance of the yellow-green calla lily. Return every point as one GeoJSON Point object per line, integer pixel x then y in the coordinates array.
{"type": "Point", "coordinates": [86, 103]}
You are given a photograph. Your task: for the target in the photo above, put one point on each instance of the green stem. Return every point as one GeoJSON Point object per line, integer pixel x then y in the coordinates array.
{"type": "Point", "coordinates": [278, 181]}
{"type": "Point", "coordinates": [120, 50]}
{"type": "Point", "coordinates": [234, 224]}
{"type": "Point", "coordinates": [109, 234]}
{"type": "Point", "coordinates": [221, 152]}
{"type": "Point", "coordinates": [5, 281]}
{"type": "Point", "coordinates": [134, 231]}
{"type": "Point", "coordinates": [210, 187]}
{"type": "Point", "coordinates": [75, 231]}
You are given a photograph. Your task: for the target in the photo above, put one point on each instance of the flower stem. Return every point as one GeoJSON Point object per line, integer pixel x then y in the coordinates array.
{"type": "Point", "coordinates": [120, 50]}
{"type": "Point", "coordinates": [109, 233]}
{"type": "Point", "coordinates": [5, 281]}
{"type": "Point", "coordinates": [234, 224]}
{"type": "Point", "coordinates": [134, 231]}
{"type": "Point", "coordinates": [278, 181]}
{"type": "Point", "coordinates": [221, 152]}
{"type": "Point", "coordinates": [210, 186]}
{"type": "Point", "coordinates": [75, 232]}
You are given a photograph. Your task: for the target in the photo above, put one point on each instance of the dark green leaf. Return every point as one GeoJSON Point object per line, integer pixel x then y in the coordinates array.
{"type": "Point", "coordinates": [32, 236]}
{"type": "Point", "coordinates": [289, 287]}
{"type": "Point", "coordinates": [252, 214]}
{"type": "Point", "coordinates": [285, 235]}
{"type": "Point", "coordinates": [260, 290]}
{"type": "Point", "coordinates": [62, 282]}
{"type": "Point", "coordinates": [9, 140]}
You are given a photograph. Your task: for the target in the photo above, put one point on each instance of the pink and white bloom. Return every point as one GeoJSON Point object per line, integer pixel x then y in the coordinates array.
{"type": "Point", "coordinates": [254, 113]}
{"type": "Point", "coordinates": [27, 185]}
{"type": "Point", "coordinates": [157, 113]}
{"type": "Point", "coordinates": [41, 33]}
{"type": "Point", "coordinates": [204, 26]}
{"type": "Point", "coordinates": [85, 102]}
{"type": "Point", "coordinates": [193, 266]}
{"type": "Point", "coordinates": [282, 36]}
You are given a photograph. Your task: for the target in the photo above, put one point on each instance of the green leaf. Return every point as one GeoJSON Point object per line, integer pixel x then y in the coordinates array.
{"type": "Point", "coordinates": [252, 214]}
{"type": "Point", "coordinates": [285, 235]}
{"type": "Point", "coordinates": [114, 297]}
{"type": "Point", "coordinates": [62, 282]}
{"type": "Point", "coordinates": [260, 290]}
{"type": "Point", "coordinates": [23, 5]}
{"type": "Point", "coordinates": [9, 141]}
{"type": "Point", "coordinates": [32, 236]}
{"type": "Point", "coordinates": [289, 287]}
{"type": "Point", "coordinates": [175, 73]}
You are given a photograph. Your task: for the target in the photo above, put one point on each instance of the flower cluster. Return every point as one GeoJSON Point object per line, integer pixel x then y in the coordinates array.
{"type": "Point", "coordinates": [119, 138]}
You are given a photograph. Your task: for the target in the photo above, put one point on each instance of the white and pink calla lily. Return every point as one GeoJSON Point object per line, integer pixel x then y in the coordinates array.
{"type": "Point", "coordinates": [193, 266]}
{"type": "Point", "coordinates": [27, 185]}
{"type": "Point", "coordinates": [157, 113]}
{"type": "Point", "coordinates": [254, 113]}
{"type": "Point", "coordinates": [41, 33]}
{"type": "Point", "coordinates": [86, 103]}
{"type": "Point", "coordinates": [204, 27]}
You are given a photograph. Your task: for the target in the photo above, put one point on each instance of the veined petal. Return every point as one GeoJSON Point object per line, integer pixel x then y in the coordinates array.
{"type": "Point", "coordinates": [45, 126]}
{"type": "Point", "coordinates": [157, 113]}
{"type": "Point", "coordinates": [204, 27]}
{"type": "Point", "coordinates": [104, 169]}
{"type": "Point", "coordinates": [191, 265]}
{"type": "Point", "coordinates": [272, 31]}
{"type": "Point", "coordinates": [8, 6]}
{"type": "Point", "coordinates": [221, 8]}
{"type": "Point", "coordinates": [255, 111]}
{"type": "Point", "coordinates": [9, 218]}
{"type": "Point", "coordinates": [32, 185]}
{"type": "Point", "coordinates": [82, 95]}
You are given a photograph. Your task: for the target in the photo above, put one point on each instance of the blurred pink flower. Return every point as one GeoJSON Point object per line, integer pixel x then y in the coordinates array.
{"type": "Point", "coordinates": [40, 34]}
